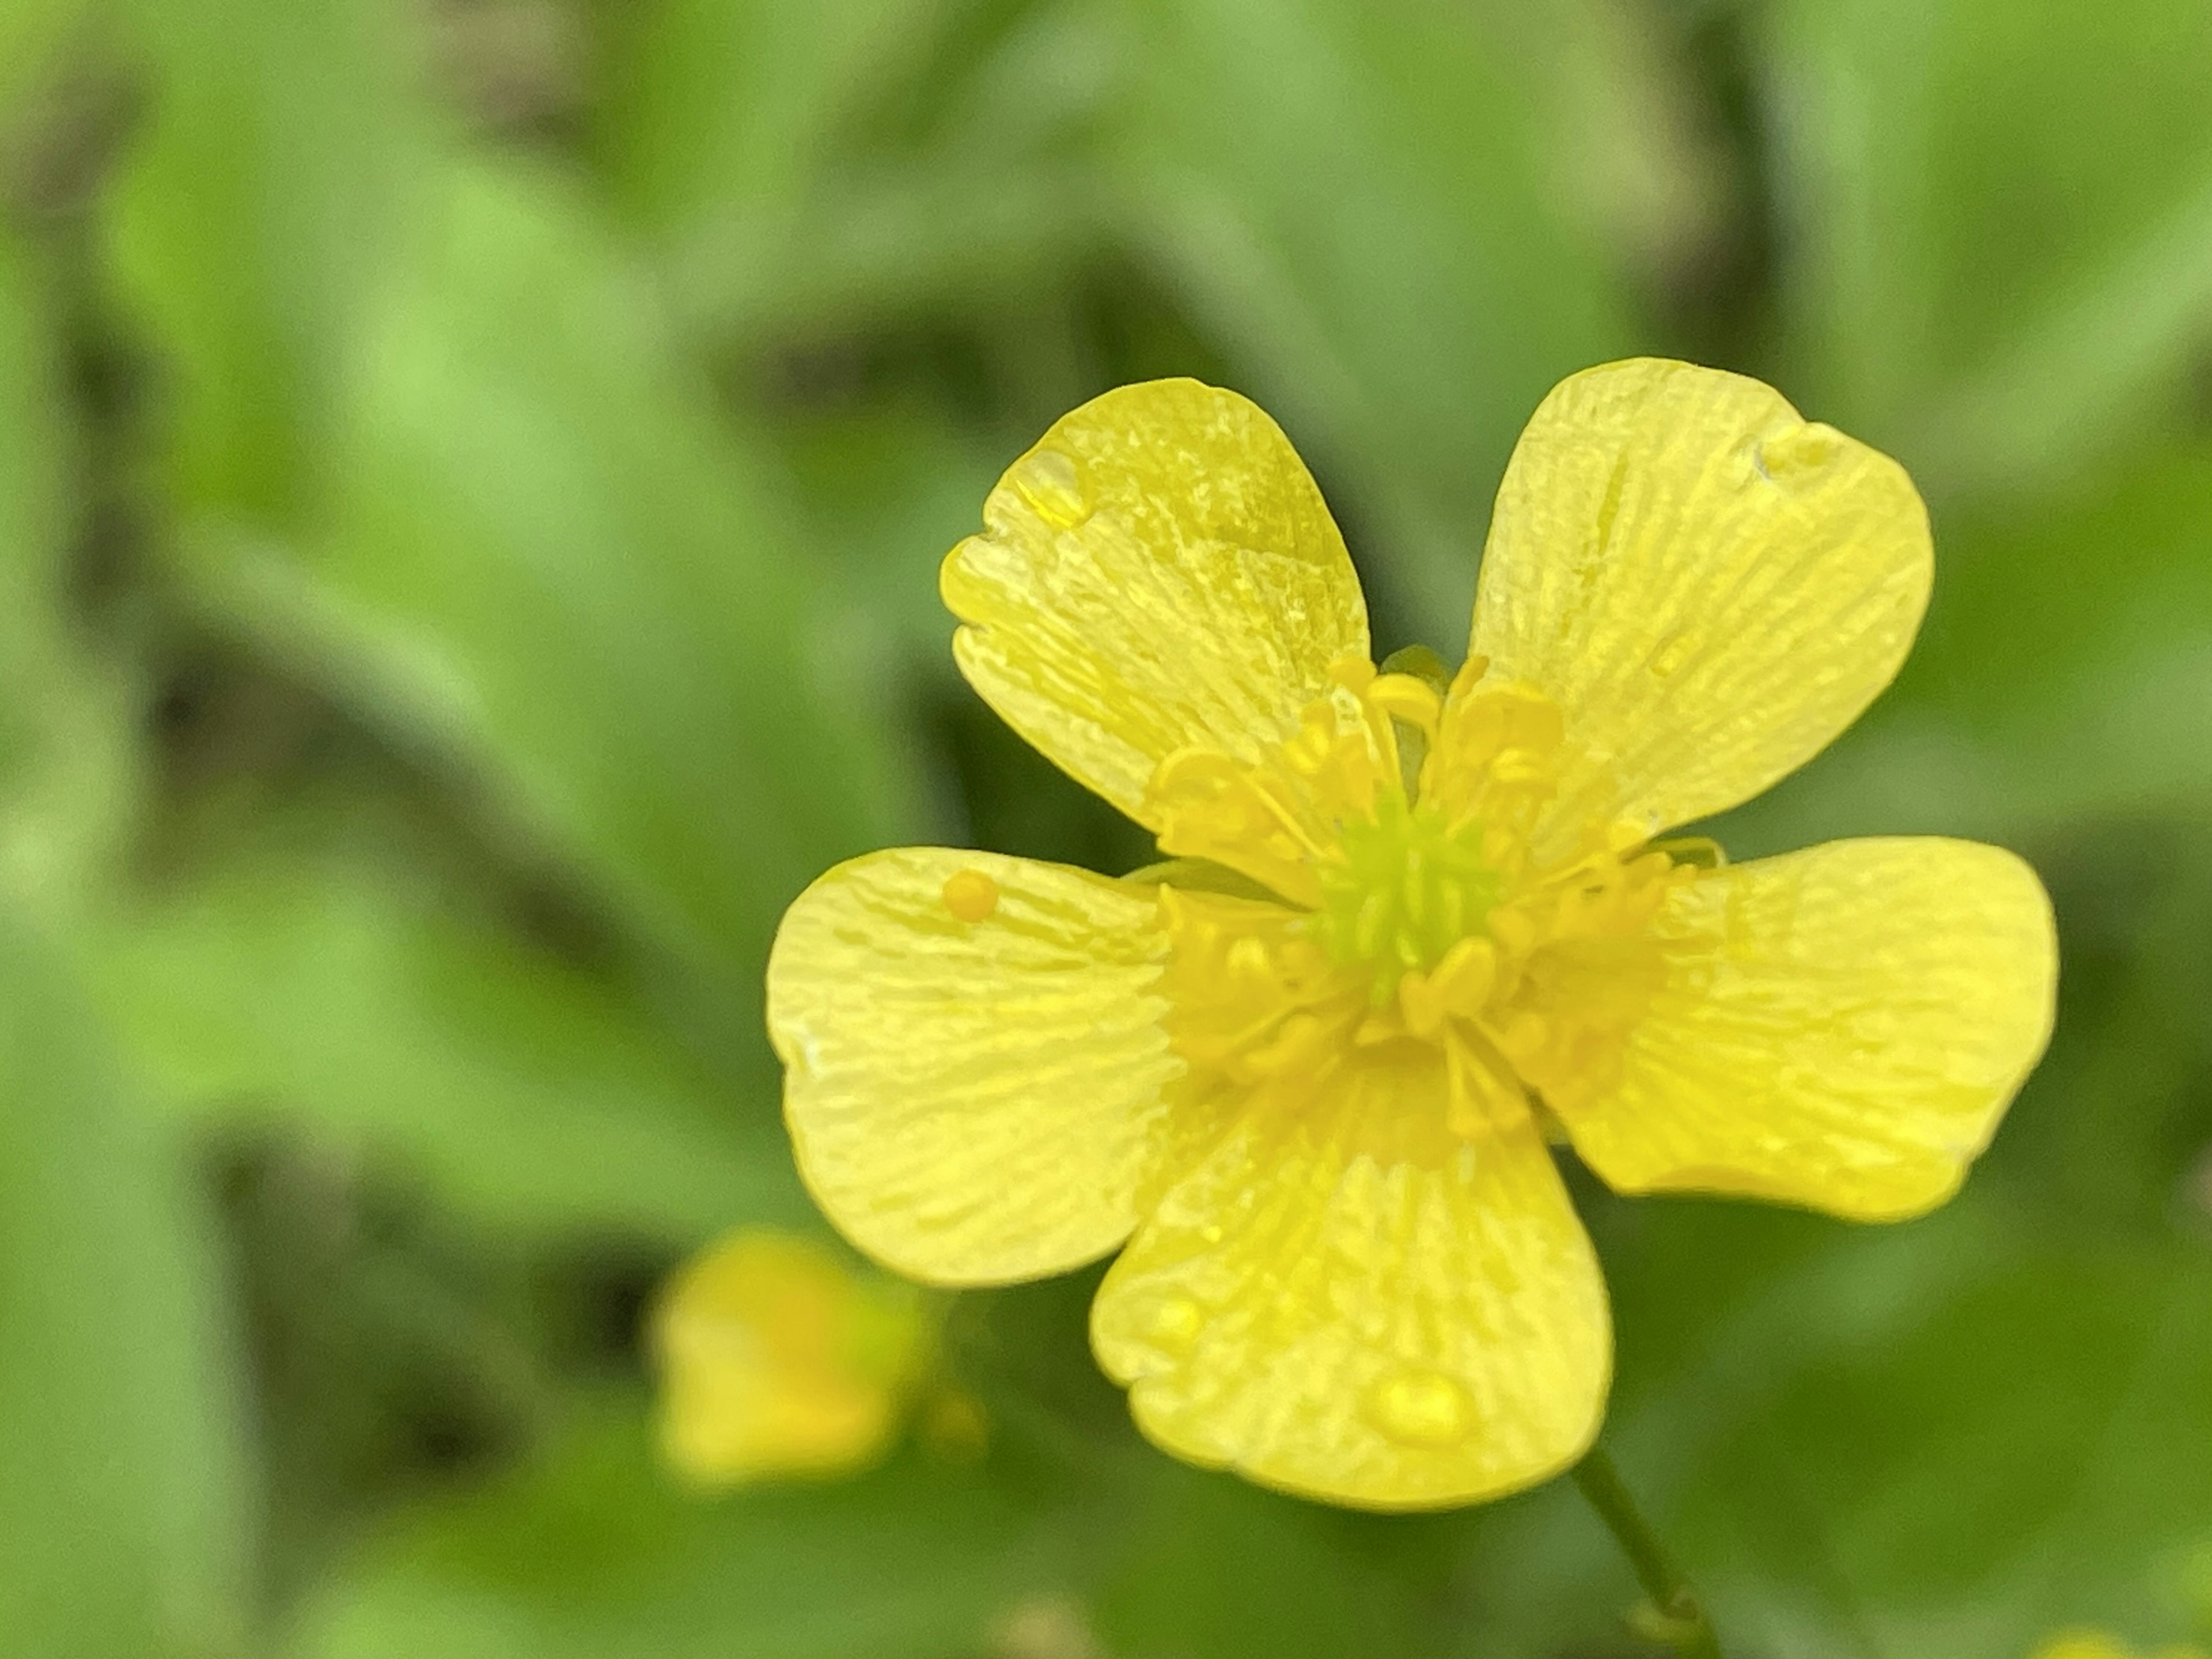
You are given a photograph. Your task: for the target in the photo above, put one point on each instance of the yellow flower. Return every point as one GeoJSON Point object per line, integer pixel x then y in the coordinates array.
{"type": "Point", "coordinates": [1306, 1071]}
{"type": "Point", "coordinates": [2095, 1645]}
{"type": "Point", "coordinates": [776, 1360]}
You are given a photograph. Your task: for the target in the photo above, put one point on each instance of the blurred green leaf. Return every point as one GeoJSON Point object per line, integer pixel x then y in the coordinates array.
{"type": "Point", "coordinates": [251, 226]}
{"type": "Point", "coordinates": [594, 1554]}
{"type": "Point", "coordinates": [542, 552]}
{"type": "Point", "coordinates": [124, 1525]}
{"type": "Point", "coordinates": [527, 1092]}
{"type": "Point", "coordinates": [1999, 219]}
{"type": "Point", "coordinates": [2062, 683]}
{"type": "Point", "coordinates": [1213, 1568]}
{"type": "Point", "coordinates": [32, 34]}
{"type": "Point", "coordinates": [825, 167]}
{"type": "Point", "coordinates": [64, 754]}
{"type": "Point", "coordinates": [1958, 1441]}
{"type": "Point", "coordinates": [1952, 1436]}
{"type": "Point", "coordinates": [1353, 200]}
{"type": "Point", "coordinates": [890, 488]}
{"type": "Point", "coordinates": [714, 107]}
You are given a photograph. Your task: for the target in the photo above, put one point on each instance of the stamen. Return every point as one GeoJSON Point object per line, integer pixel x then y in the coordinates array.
{"type": "Point", "coordinates": [1397, 827]}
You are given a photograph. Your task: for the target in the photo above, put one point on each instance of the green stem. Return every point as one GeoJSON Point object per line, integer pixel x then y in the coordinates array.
{"type": "Point", "coordinates": [1676, 1617]}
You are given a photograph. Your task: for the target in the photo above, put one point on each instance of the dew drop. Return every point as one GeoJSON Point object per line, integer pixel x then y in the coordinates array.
{"type": "Point", "coordinates": [1051, 482]}
{"type": "Point", "coordinates": [1673, 651]}
{"type": "Point", "coordinates": [1420, 1407]}
{"type": "Point", "coordinates": [970, 895]}
{"type": "Point", "coordinates": [1792, 456]}
{"type": "Point", "coordinates": [1175, 1322]}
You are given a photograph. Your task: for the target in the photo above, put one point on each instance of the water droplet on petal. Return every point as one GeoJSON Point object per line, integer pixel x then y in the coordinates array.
{"type": "Point", "coordinates": [970, 895]}
{"type": "Point", "coordinates": [1420, 1407]}
{"type": "Point", "coordinates": [1051, 482]}
{"type": "Point", "coordinates": [1175, 1322]}
{"type": "Point", "coordinates": [1673, 651]}
{"type": "Point", "coordinates": [1791, 457]}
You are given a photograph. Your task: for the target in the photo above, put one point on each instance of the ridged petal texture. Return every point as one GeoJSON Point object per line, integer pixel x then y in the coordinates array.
{"type": "Point", "coordinates": [1710, 588]}
{"type": "Point", "coordinates": [1348, 1303]}
{"type": "Point", "coordinates": [1841, 1029]}
{"type": "Point", "coordinates": [1160, 572]}
{"type": "Point", "coordinates": [974, 1061]}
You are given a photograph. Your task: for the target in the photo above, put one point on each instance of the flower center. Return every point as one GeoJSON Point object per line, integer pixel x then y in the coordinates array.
{"type": "Point", "coordinates": [1400, 831]}
{"type": "Point", "coordinates": [1399, 889]}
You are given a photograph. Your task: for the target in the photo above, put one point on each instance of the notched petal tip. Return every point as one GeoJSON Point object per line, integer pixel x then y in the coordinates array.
{"type": "Point", "coordinates": [1158, 571]}
{"type": "Point", "coordinates": [1710, 586]}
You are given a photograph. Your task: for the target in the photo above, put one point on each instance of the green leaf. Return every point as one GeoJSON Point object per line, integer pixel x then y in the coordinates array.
{"type": "Point", "coordinates": [541, 553]}
{"type": "Point", "coordinates": [123, 1495]}
{"type": "Point", "coordinates": [719, 108]}
{"type": "Point", "coordinates": [65, 765]}
{"type": "Point", "coordinates": [854, 161]}
{"type": "Point", "coordinates": [530, 1094]}
{"type": "Point", "coordinates": [1213, 1568]}
{"type": "Point", "coordinates": [2000, 223]}
{"type": "Point", "coordinates": [2063, 678]}
{"type": "Point", "coordinates": [251, 223]}
{"type": "Point", "coordinates": [1956, 1436]}
{"type": "Point", "coordinates": [32, 34]}
{"type": "Point", "coordinates": [1353, 200]}
{"type": "Point", "coordinates": [1969, 1450]}
{"type": "Point", "coordinates": [594, 1554]}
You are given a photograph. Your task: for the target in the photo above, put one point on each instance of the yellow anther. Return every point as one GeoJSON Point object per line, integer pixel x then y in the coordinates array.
{"type": "Point", "coordinates": [1517, 769]}
{"type": "Point", "coordinates": [1525, 1036]}
{"type": "Point", "coordinates": [1533, 720]}
{"type": "Point", "coordinates": [970, 895]}
{"type": "Point", "coordinates": [1384, 1027]}
{"type": "Point", "coordinates": [1294, 1040]}
{"type": "Point", "coordinates": [1693, 852]}
{"type": "Point", "coordinates": [1621, 836]}
{"type": "Point", "coordinates": [1462, 981]}
{"type": "Point", "coordinates": [1354, 674]}
{"type": "Point", "coordinates": [1249, 959]}
{"type": "Point", "coordinates": [1422, 1008]}
{"type": "Point", "coordinates": [1515, 928]}
{"type": "Point", "coordinates": [1405, 698]}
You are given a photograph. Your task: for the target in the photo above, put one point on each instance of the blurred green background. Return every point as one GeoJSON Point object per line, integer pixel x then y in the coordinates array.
{"type": "Point", "coordinates": [472, 474]}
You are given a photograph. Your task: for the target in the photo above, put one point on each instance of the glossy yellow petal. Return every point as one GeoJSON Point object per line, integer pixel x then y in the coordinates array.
{"type": "Point", "coordinates": [776, 1358]}
{"type": "Point", "coordinates": [1841, 1028]}
{"type": "Point", "coordinates": [1710, 588]}
{"type": "Point", "coordinates": [1351, 1303]}
{"type": "Point", "coordinates": [1160, 572]}
{"type": "Point", "coordinates": [973, 1058]}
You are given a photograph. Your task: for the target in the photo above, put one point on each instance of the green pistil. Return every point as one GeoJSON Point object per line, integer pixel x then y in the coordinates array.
{"type": "Point", "coordinates": [1400, 891]}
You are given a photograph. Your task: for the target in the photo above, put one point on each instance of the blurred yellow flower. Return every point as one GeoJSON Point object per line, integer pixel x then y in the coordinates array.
{"type": "Point", "coordinates": [2095, 1645]}
{"type": "Point", "coordinates": [777, 1359]}
{"type": "Point", "coordinates": [1307, 1070]}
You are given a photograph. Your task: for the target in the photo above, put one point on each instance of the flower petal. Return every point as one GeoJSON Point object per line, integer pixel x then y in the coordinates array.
{"type": "Point", "coordinates": [1160, 572]}
{"type": "Point", "coordinates": [1841, 1028]}
{"type": "Point", "coordinates": [974, 1059]}
{"type": "Point", "coordinates": [1710, 588]}
{"type": "Point", "coordinates": [1351, 1304]}
{"type": "Point", "coordinates": [776, 1358]}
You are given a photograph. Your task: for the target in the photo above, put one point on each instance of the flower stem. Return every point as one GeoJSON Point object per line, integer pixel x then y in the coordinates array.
{"type": "Point", "coordinates": [1674, 1616]}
